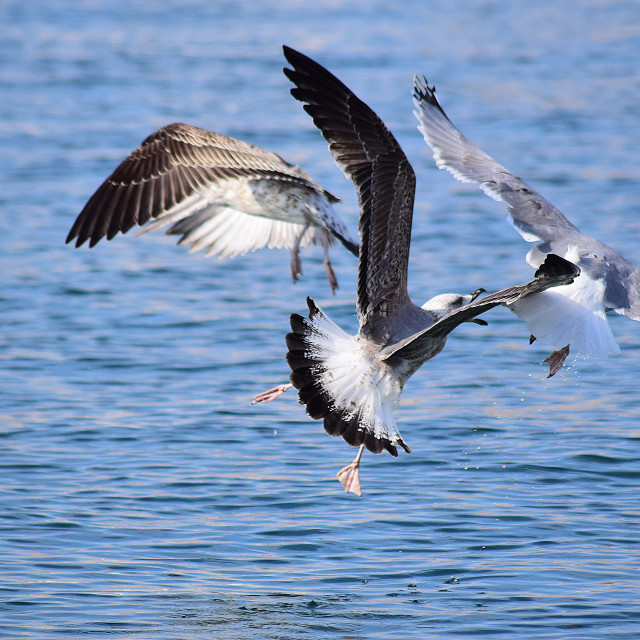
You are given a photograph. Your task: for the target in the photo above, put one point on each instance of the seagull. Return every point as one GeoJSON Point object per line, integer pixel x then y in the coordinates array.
{"type": "Point", "coordinates": [353, 383]}
{"type": "Point", "coordinates": [571, 316]}
{"type": "Point", "coordinates": [220, 194]}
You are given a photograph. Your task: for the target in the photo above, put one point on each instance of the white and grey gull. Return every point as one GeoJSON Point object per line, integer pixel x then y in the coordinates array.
{"type": "Point", "coordinates": [566, 317]}
{"type": "Point", "coordinates": [219, 193]}
{"type": "Point", "coordinates": [353, 383]}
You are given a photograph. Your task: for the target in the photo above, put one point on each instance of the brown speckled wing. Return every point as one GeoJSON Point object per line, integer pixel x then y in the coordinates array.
{"type": "Point", "coordinates": [171, 166]}
{"type": "Point", "coordinates": [370, 156]}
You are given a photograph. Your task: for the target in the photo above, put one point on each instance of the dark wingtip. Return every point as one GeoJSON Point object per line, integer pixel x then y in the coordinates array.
{"type": "Point", "coordinates": [556, 267]}
{"type": "Point", "coordinates": [76, 233]}
{"type": "Point", "coordinates": [423, 91]}
{"type": "Point", "coordinates": [292, 55]}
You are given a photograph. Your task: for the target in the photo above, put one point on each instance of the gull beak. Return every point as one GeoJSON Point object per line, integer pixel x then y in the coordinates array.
{"type": "Point", "coordinates": [474, 295]}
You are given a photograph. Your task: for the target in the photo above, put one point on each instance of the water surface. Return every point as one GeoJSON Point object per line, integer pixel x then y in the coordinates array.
{"type": "Point", "coordinates": [142, 495]}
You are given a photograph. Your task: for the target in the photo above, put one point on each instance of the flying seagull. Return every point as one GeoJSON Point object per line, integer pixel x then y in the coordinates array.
{"type": "Point", "coordinates": [572, 316]}
{"type": "Point", "coordinates": [353, 383]}
{"type": "Point", "coordinates": [220, 194]}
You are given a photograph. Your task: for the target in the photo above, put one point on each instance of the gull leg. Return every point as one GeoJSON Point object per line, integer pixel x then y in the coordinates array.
{"type": "Point", "coordinates": [296, 263]}
{"type": "Point", "coordinates": [271, 394]}
{"type": "Point", "coordinates": [331, 276]}
{"type": "Point", "coordinates": [349, 476]}
{"type": "Point", "coordinates": [556, 359]}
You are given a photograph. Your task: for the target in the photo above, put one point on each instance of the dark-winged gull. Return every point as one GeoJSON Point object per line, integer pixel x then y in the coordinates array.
{"type": "Point", "coordinates": [572, 316]}
{"type": "Point", "coordinates": [353, 383]}
{"type": "Point", "coordinates": [220, 194]}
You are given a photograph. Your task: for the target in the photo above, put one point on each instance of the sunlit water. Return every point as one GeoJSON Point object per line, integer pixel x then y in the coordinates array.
{"type": "Point", "coordinates": [142, 496]}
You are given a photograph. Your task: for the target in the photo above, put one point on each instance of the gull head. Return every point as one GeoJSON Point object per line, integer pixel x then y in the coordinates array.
{"type": "Point", "coordinates": [445, 303]}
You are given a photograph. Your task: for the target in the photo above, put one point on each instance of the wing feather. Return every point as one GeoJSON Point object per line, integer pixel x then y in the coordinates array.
{"type": "Point", "coordinates": [171, 165]}
{"type": "Point", "coordinates": [228, 232]}
{"type": "Point", "coordinates": [555, 271]}
{"type": "Point", "coordinates": [370, 156]}
{"type": "Point", "coordinates": [531, 214]}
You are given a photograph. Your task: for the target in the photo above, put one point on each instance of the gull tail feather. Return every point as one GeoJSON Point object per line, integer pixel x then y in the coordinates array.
{"type": "Point", "coordinates": [342, 384]}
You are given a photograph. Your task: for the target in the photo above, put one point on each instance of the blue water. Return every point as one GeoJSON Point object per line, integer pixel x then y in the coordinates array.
{"type": "Point", "coordinates": [142, 496]}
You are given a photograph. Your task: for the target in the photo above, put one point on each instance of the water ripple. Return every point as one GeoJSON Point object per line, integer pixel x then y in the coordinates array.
{"type": "Point", "coordinates": [143, 496]}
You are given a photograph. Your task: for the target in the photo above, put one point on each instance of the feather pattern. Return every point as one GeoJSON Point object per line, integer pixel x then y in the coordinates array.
{"type": "Point", "coordinates": [353, 383]}
{"type": "Point", "coordinates": [384, 181]}
{"type": "Point", "coordinates": [532, 215]}
{"type": "Point", "coordinates": [182, 173]}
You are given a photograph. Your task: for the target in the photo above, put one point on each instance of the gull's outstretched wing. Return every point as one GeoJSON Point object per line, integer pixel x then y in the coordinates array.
{"type": "Point", "coordinates": [532, 215]}
{"type": "Point", "coordinates": [553, 272]}
{"type": "Point", "coordinates": [180, 170]}
{"type": "Point", "coordinates": [370, 156]}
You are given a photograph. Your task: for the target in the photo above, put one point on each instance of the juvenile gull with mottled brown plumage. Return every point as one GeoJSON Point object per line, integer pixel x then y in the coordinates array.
{"type": "Point", "coordinates": [353, 383]}
{"type": "Point", "coordinates": [220, 194]}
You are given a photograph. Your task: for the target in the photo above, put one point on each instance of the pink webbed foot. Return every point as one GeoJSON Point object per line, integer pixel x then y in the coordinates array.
{"type": "Point", "coordinates": [556, 359]}
{"type": "Point", "coordinates": [271, 394]}
{"type": "Point", "coordinates": [349, 476]}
